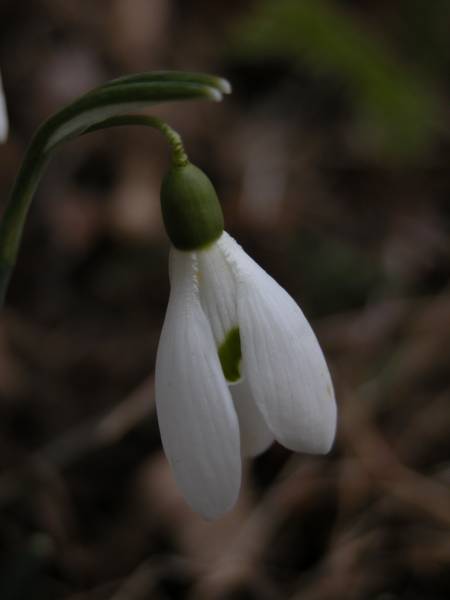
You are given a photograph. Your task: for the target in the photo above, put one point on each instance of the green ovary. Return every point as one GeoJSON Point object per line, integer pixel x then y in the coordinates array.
{"type": "Point", "coordinates": [230, 355]}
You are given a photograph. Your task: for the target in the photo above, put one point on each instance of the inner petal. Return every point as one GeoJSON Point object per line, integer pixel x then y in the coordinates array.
{"type": "Point", "coordinates": [256, 436]}
{"type": "Point", "coordinates": [230, 355]}
{"type": "Point", "coordinates": [217, 288]}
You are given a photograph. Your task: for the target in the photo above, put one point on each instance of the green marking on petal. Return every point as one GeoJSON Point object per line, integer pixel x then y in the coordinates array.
{"type": "Point", "coordinates": [230, 355]}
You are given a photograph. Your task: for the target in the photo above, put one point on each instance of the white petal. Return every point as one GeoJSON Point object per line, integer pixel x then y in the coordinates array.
{"type": "Point", "coordinates": [217, 291]}
{"type": "Point", "coordinates": [255, 435]}
{"type": "Point", "coordinates": [198, 423]}
{"type": "Point", "coordinates": [3, 115]}
{"type": "Point", "coordinates": [282, 359]}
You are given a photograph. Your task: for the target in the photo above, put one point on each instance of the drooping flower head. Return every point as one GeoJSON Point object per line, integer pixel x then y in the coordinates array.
{"type": "Point", "coordinates": [238, 364]}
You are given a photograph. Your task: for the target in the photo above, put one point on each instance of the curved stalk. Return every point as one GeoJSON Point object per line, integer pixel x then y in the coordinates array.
{"type": "Point", "coordinates": [179, 156]}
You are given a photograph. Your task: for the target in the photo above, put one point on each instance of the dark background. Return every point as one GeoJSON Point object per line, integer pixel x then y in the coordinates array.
{"type": "Point", "coordinates": [331, 159]}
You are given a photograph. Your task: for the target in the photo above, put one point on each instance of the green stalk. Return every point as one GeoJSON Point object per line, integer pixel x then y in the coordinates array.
{"type": "Point", "coordinates": [179, 156]}
{"type": "Point", "coordinates": [212, 81]}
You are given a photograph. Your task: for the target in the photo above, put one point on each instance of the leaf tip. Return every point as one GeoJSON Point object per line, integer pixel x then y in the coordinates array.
{"type": "Point", "coordinates": [215, 94]}
{"type": "Point", "coordinates": [224, 86]}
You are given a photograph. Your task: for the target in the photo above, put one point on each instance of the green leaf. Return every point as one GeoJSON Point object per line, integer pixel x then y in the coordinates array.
{"type": "Point", "coordinates": [392, 103]}
{"type": "Point", "coordinates": [213, 81]}
{"type": "Point", "coordinates": [102, 107]}
{"type": "Point", "coordinates": [134, 92]}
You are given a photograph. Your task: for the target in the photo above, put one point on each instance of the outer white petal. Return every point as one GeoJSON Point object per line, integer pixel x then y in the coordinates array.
{"type": "Point", "coordinates": [217, 291]}
{"type": "Point", "coordinates": [255, 435]}
{"type": "Point", "coordinates": [3, 115]}
{"type": "Point", "coordinates": [198, 423]}
{"type": "Point", "coordinates": [282, 359]}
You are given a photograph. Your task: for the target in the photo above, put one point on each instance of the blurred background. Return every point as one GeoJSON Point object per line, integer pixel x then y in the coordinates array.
{"type": "Point", "coordinates": [331, 159]}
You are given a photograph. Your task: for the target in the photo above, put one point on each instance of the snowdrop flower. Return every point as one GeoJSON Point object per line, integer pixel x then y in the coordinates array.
{"type": "Point", "coordinates": [3, 115]}
{"type": "Point", "coordinates": [238, 365]}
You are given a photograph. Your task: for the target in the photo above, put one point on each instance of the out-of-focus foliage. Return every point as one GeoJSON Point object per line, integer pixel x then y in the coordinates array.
{"type": "Point", "coordinates": [396, 107]}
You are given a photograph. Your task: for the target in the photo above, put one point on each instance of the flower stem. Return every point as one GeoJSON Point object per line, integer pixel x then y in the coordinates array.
{"type": "Point", "coordinates": [179, 157]}
{"type": "Point", "coordinates": [15, 214]}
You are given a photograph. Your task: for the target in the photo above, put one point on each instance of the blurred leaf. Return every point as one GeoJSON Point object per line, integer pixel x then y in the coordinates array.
{"type": "Point", "coordinates": [423, 30]}
{"type": "Point", "coordinates": [394, 106]}
{"type": "Point", "coordinates": [335, 276]}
